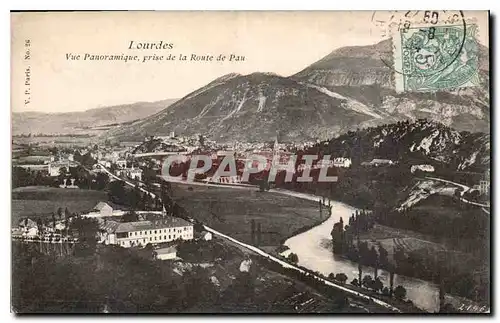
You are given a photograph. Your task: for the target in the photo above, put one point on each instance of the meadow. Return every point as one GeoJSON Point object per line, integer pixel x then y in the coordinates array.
{"type": "Point", "coordinates": [231, 211]}
{"type": "Point", "coordinates": [41, 201]}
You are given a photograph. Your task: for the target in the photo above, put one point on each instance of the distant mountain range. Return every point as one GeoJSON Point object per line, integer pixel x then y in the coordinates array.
{"type": "Point", "coordinates": [253, 107]}
{"type": "Point", "coordinates": [361, 73]}
{"type": "Point", "coordinates": [348, 89]}
{"type": "Point", "coordinates": [83, 121]}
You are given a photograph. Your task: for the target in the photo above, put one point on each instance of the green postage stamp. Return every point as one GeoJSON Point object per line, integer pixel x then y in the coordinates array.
{"type": "Point", "coordinates": [434, 58]}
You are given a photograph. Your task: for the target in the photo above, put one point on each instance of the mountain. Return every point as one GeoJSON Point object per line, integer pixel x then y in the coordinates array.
{"type": "Point", "coordinates": [350, 88]}
{"type": "Point", "coordinates": [420, 141]}
{"type": "Point", "coordinates": [351, 66]}
{"type": "Point", "coordinates": [362, 73]}
{"type": "Point", "coordinates": [253, 108]}
{"type": "Point", "coordinates": [83, 121]}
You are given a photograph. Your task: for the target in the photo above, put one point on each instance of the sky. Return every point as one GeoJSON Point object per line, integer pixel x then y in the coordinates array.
{"type": "Point", "coordinates": [280, 42]}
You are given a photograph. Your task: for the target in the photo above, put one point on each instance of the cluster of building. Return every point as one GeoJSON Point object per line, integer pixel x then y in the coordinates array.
{"type": "Point", "coordinates": [376, 162]}
{"type": "Point", "coordinates": [162, 231]}
{"type": "Point", "coordinates": [29, 229]}
{"type": "Point", "coordinates": [130, 172]}
{"type": "Point", "coordinates": [61, 161]}
{"type": "Point", "coordinates": [423, 168]}
{"type": "Point", "coordinates": [484, 184]}
{"type": "Point", "coordinates": [183, 143]}
{"type": "Point", "coordinates": [141, 233]}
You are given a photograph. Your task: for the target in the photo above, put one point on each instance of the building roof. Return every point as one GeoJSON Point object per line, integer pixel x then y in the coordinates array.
{"type": "Point", "coordinates": [378, 160]}
{"type": "Point", "coordinates": [167, 222]}
{"type": "Point", "coordinates": [60, 163]}
{"type": "Point", "coordinates": [28, 223]}
{"type": "Point", "coordinates": [101, 205]}
{"type": "Point", "coordinates": [282, 248]}
{"type": "Point", "coordinates": [108, 226]}
{"type": "Point", "coordinates": [166, 250]}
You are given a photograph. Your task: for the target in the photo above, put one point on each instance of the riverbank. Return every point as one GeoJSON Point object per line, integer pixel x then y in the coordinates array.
{"type": "Point", "coordinates": [314, 252]}
{"type": "Point", "coordinates": [423, 294]}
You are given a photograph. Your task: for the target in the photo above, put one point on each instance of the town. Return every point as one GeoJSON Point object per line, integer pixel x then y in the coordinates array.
{"type": "Point", "coordinates": [224, 179]}
{"type": "Point", "coordinates": [140, 210]}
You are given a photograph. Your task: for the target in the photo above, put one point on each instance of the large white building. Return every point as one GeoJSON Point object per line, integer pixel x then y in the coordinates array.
{"type": "Point", "coordinates": [121, 163]}
{"type": "Point", "coordinates": [135, 173]}
{"type": "Point", "coordinates": [140, 233]}
{"type": "Point", "coordinates": [423, 168]}
{"type": "Point", "coordinates": [55, 167]}
{"type": "Point", "coordinates": [342, 162]}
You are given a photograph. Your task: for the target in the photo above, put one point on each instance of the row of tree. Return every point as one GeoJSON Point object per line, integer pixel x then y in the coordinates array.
{"type": "Point", "coordinates": [83, 179]}
{"type": "Point", "coordinates": [134, 198]}
{"type": "Point", "coordinates": [413, 263]}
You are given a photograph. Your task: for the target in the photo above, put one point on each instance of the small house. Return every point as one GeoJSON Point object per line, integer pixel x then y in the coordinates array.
{"type": "Point", "coordinates": [103, 208]}
{"type": "Point", "coordinates": [167, 253]}
{"type": "Point", "coordinates": [204, 235]}
{"type": "Point", "coordinates": [423, 168]}
{"type": "Point", "coordinates": [378, 162]}
{"type": "Point", "coordinates": [284, 251]}
{"type": "Point", "coordinates": [121, 163]}
{"type": "Point", "coordinates": [342, 162]}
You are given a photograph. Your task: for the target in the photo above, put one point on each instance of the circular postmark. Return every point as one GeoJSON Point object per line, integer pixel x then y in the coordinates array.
{"type": "Point", "coordinates": [427, 42]}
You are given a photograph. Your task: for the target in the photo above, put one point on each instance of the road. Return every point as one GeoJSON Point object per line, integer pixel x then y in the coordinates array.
{"type": "Point", "coordinates": [464, 189]}
{"type": "Point", "coordinates": [272, 258]}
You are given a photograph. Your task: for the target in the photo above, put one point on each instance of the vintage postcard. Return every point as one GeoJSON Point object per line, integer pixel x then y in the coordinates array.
{"type": "Point", "coordinates": [251, 162]}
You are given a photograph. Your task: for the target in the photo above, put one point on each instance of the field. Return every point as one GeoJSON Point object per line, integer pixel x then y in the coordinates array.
{"type": "Point", "coordinates": [424, 246]}
{"type": "Point", "coordinates": [32, 159]}
{"type": "Point", "coordinates": [391, 238]}
{"type": "Point", "coordinates": [61, 141]}
{"type": "Point", "coordinates": [231, 211]}
{"type": "Point", "coordinates": [39, 201]}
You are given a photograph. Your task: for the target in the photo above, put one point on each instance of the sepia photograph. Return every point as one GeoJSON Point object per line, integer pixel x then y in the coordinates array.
{"type": "Point", "coordinates": [250, 162]}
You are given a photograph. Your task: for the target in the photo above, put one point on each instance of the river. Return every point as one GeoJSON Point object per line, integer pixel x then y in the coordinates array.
{"type": "Point", "coordinates": [313, 249]}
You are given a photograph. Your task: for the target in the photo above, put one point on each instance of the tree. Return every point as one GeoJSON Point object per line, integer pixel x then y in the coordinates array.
{"type": "Point", "coordinates": [60, 213]}
{"type": "Point", "coordinates": [373, 260]}
{"type": "Point", "coordinates": [391, 280]}
{"type": "Point", "coordinates": [86, 229]}
{"type": "Point", "coordinates": [252, 228]}
{"type": "Point", "coordinates": [377, 284]}
{"type": "Point", "coordinates": [101, 180]}
{"type": "Point", "coordinates": [400, 292]}
{"type": "Point", "coordinates": [338, 237]}
{"type": "Point", "coordinates": [342, 278]}
{"type": "Point", "coordinates": [53, 220]}
{"type": "Point", "coordinates": [63, 171]}
{"type": "Point", "coordinates": [134, 198]}
{"type": "Point", "coordinates": [355, 282]}
{"type": "Point", "coordinates": [130, 217]}
{"type": "Point", "coordinates": [117, 191]}
{"type": "Point", "coordinates": [367, 281]}
{"type": "Point", "coordinates": [360, 270]}
{"type": "Point", "coordinates": [293, 258]}
{"type": "Point", "coordinates": [383, 256]}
